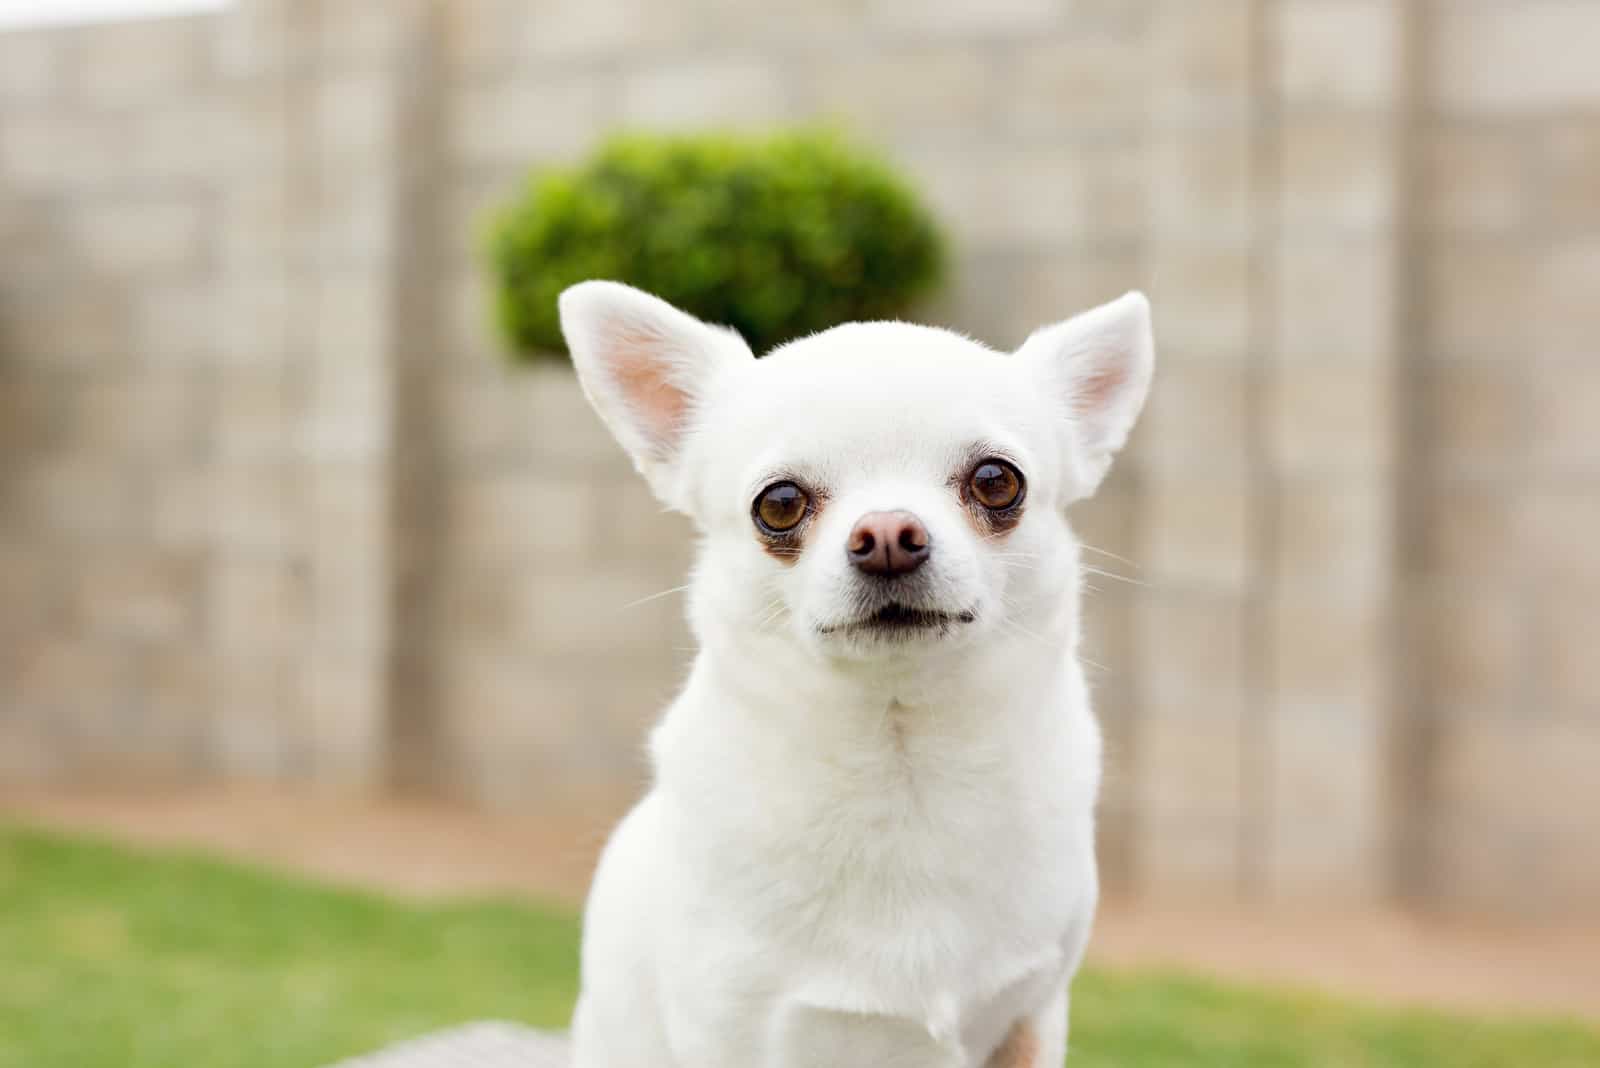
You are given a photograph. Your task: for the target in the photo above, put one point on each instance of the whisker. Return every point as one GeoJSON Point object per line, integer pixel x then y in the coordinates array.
{"type": "Point", "coordinates": [1108, 552]}
{"type": "Point", "coordinates": [1112, 575]}
{"type": "Point", "coordinates": [652, 597]}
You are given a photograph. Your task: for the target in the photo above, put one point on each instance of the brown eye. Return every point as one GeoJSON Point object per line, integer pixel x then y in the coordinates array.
{"type": "Point", "coordinates": [996, 485]}
{"type": "Point", "coordinates": [780, 507]}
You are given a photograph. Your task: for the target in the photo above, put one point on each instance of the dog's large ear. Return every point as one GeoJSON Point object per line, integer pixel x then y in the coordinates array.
{"type": "Point", "coordinates": [1098, 364]}
{"type": "Point", "coordinates": [645, 366]}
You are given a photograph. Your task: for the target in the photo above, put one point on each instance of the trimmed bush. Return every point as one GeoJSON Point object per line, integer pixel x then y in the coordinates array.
{"type": "Point", "coordinates": [776, 236]}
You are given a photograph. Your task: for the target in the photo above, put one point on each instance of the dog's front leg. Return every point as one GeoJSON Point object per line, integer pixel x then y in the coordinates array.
{"type": "Point", "coordinates": [1038, 1040]}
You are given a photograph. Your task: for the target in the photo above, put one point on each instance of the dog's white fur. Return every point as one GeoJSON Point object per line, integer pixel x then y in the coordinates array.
{"type": "Point", "coordinates": [857, 851]}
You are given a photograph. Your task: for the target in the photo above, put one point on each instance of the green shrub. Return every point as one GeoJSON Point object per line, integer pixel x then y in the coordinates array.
{"type": "Point", "coordinates": [776, 236]}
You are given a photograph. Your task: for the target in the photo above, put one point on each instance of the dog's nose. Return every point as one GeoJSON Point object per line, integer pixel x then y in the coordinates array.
{"type": "Point", "coordinates": [888, 543]}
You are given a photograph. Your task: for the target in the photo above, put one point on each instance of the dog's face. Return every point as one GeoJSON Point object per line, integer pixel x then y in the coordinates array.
{"type": "Point", "coordinates": [876, 489]}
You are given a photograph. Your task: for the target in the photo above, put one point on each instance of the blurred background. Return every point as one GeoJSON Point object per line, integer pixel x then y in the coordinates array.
{"type": "Point", "coordinates": [297, 560]}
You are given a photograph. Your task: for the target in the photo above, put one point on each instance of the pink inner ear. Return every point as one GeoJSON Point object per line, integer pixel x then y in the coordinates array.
{"type": "Point", "coordinates": [1095, 389]}
{"type": "Point", "coordinates": [644, 375]}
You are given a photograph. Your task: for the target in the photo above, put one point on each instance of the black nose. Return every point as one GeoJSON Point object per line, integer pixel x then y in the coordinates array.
{"type": "Point", "coordinates": [888, 543]}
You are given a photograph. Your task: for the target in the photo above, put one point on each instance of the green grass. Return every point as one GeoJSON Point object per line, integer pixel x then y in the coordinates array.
{"type": "Point", "coordinates": [114, 959]}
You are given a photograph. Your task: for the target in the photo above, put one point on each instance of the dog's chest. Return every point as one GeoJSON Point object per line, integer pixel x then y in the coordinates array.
{"type": "Point", "coordinates": [910, 879]}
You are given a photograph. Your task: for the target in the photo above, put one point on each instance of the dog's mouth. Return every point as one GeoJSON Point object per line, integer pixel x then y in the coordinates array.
{"type": "Point", "coordinates": [900, 620]}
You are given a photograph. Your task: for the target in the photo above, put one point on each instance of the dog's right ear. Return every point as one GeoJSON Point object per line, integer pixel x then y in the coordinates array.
{"type": "Point", "coordinates": [646, 366]}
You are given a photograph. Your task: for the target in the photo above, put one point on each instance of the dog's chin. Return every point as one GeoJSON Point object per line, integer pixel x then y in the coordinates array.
{"type": "Point", "coordinates": [896, 626]}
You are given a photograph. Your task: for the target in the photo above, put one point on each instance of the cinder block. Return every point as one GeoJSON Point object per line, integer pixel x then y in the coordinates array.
{"type": "Point", "coordinates": [1563, 433]}
{"type": "Point", "coordinates": [483, 419]}
{"type": "Point", "coordinates": [1530, 770]}
{"type": "Point", "coordinates": [141, 236]}
{"type": "Point", "coordinates": [471, 331]}
{"type": "Point", "coordinates": [1201, 184]}
{"type": "Point", "coordinates": [1082, 82]}
{"type": "Point", "coordinates": [187, 139]}
{"type": "Point", "coordinates": [517, 514]}
{"type": "Point", "coordinates": [1191, 651]}
{"type": "Point", "coordinates": [1563, 647]}
{"type": "Point", "coordinates": [906, 94]}
{"type": "Point", "coordinates": [963, 18]}
{"type": "Point", "coordinates": [1567, 315]}
{"type": "Point", "coordinates": [604, 28]}
{"type": "Point", "coordinates": [522, 123]}
{"type": "Point", "coordinates": [1329, 646]}
{"type": "Point", "coordinates": [565, 427]}
{"type": "Point", "coordinates": [259, 315]}
{"type": "Point", "coordinates": [176, 324]}
{"type": "Point", "coordinates": [123, 59]}
{"type": "Point", "coordinates": [258, 231]}
{"type": "Point", "coordinates": [147, 416]}
{"type": "Point", "coordinates": [363, 33]}
{"type": "Point", "coordinates": [341, 714]}
{"type": "Point", "coordinates": [79, 328]}
{"type": "Point", "coordinates": [636, 527]}
{"type": "Point", "coordinates": [1334, 532]}
{"type": "Point", "coordinates": [470, 205]}
{"type": "Point", "coordinates": [1332, 418]}
{"type": "Point", "coordinates": [355, 220]}
{"type": "Point", "coordinates": [1568, 175]}
{"type": "Point", "coordinates": [180, 506]}
{"type": "Point", "coordinates": [1203, 59]}
{"type": "Point", "coordinates": [1472, 633]}
{"type": "Point", "coordinates": [176, 705]}
{"type": "Point", "coordinates": [47, 151]}
{"type": "Point", "coordinates": [1328, 816]}
{"type": "Point", "coordinates": [1188, 852]}
{"type": "Point", "coordinates": [1194, 421]}
{"type": "Point", "coordinates": [32, 66]}
{"type": "Point", "coordinates": [251, 42]}
{"type": "Point", "coordinates": [1478, 178]}
{"type": "Point", "coordinates": [73, 497]}
{"type": "Point", "coordinates": [1555, 536]}
{"type": "Point", "coordinates": [1335, 300]}
{"type": "Point", "coordinates": [255, 602]}
{"type": "Point", "coordinates": [1034, 196]}
{"type": "Point", "coordinates": [1477, 418]}
{"type": "Point", "coordinates": [31, 587]}
{"type": "Point", "coordinates": [1196, 531]}
{"type": "Point", "coordinates": [1189, 757]}
{"type": "Point", "coordinates": [259, 506]}
{"type": "Point", "coordinates": [1202, 299]}
{"type": "Point", "coordinates": [355, 115]}
{"type": "Point", "coordinates": [1049, 288]}
{"type": "Point", "coordinates": [482, 34]}
{"type": "Point", "coordinates": [1339, 174]}
{"type": "Point", "coordinates": [255, 417]}
{"type": "Point", "coordinates": [1318, 42]}
{"type": "Point", "coordinates": [605, 613]}
{"type": "Point", "coordinates": [1476, 529]}
{"type": "Point", "coordinates": [246, 733]}
{"type": "Point", "coordinates": [139, 594]}
{"type": "Point", "coordinates": [706, 93]}
{"type": "Point", "coordinates": [350, 552]}
{"type": "Point", "coordinates": [1481, 298]}
{"type": "Point", "coordinates": [1514, 59]}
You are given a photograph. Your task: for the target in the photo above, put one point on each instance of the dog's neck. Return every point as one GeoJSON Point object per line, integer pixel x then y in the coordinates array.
{"type": "Point", "coordinates": [784, 694]}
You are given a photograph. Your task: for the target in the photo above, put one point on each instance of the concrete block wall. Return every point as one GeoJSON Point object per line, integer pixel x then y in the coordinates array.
{"type": "Point", "coordinates": [275, 505]}
{"type": "Point", "coordinates": [1503, 571]}
{"type": "Point", "coordinates": [111, 200]}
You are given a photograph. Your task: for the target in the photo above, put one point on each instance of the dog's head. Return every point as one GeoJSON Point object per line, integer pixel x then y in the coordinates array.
{"type": "Point", "coordinates": [875, 489]}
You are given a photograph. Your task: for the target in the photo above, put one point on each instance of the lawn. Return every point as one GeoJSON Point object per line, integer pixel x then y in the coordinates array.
{"type": "Point", "coordinates": [116, 959]}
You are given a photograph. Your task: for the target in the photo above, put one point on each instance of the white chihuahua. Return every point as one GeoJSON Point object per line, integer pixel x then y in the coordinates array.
{"type": "Point", "coordinates": [870, 840]}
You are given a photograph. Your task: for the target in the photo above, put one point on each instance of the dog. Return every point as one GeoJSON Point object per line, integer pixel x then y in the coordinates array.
{"type": "Point", "coordinates": [869, 841]}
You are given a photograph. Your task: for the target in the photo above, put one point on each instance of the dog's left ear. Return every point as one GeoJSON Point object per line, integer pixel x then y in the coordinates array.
{"type": "Point", "coordinates": [1098, 365]}
{"type": "Point", "coordinates": [646, 367]}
